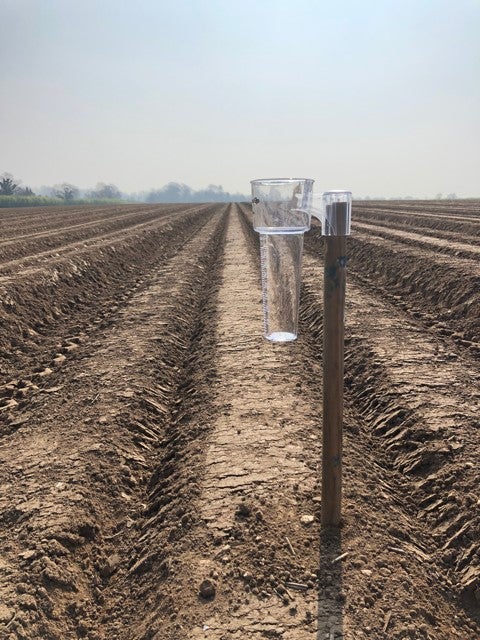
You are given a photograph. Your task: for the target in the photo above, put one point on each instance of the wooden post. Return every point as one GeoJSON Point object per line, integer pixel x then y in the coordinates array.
{"type": "Point", "coordinates": [333, 354]}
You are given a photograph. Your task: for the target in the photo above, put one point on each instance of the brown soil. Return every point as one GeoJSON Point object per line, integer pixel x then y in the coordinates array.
{"type": "Point", "coordinates": [159, 460]}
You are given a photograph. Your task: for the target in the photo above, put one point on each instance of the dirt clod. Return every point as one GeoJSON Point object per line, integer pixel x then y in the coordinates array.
{"type": "Point", "coordinates": [244, 509]}
{"type": "Point", "coordinates": [207, 589]}
{"type": "Point", "coordinates": [6, 614]}
{"type": "Point", "coordinates": [110, 566]}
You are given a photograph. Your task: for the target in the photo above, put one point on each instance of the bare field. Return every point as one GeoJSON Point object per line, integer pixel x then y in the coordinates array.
{"type": "Point", "coordinates": [159, 461]}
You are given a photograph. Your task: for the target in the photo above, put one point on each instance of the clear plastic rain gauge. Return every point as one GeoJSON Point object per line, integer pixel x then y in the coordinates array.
{"type": "Point", "coordinates": [282, 210]}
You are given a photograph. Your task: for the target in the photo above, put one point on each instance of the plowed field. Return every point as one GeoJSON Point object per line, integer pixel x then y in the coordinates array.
{"type": "Point", "coordinates": [159, 460]}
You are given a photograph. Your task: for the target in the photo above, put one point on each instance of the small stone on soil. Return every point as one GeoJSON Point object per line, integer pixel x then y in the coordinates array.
{"type": "Point", "coordinates": [207, 589]}
{"type": "Point", "coordinates": [307, 519]}
{"type": "Point", "coordinates": [28, 555]}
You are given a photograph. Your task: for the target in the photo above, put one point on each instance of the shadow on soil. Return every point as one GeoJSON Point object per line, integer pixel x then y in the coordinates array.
{"type": "Point", "coordinates": [331, 595]}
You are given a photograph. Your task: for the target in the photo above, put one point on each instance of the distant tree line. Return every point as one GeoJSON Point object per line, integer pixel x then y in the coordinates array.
{"type": "Point", "coordinates": [10, 186]}
{"type": "Point", "coordinates": [178, 192]}
{"type": "Point", "coordinates": [69, 193]}
{"type": "Point", "coordinates": [450, 196]}
{"type": "Point", "coordinates": [18, 195]}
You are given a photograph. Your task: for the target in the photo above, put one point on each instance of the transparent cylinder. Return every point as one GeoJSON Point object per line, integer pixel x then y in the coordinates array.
{"type": "Point", "coordinates": [281, 265]}
{"type": "Point", "coordinates": [281, 214]}
{"type": "Point", "coordinates": [282, 205]}
{"type": "Point", "coordinates": [337, 213]}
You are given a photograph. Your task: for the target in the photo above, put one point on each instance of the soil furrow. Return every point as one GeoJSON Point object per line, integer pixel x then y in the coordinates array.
{"type": "Point", "coordinates": [28, 265]}
{"type": "Point", "coordinates": [421, 406]}
{"type": "Point", "coordinates": [110, 216]}
{"type": "Point", "coordinates": [83, 478]}
{"type": "Point", "coordinates": [462, 250]}
{"type": "Point", "coordinates": [251, 492]}
{"type": "Point", "coordinates": [463, 266]}
{"type": "Point", "coordinates": [43, 319]}
{"type": "Point", "coordinates": [446, 216]}
{"type": "Point", "coordinates": [382, 500]}
{"type": "Point", "coordinates": [85, 225]}
{"type": "Point", "coordinates": [25, 221]}
{"type": "Point", "coordinates": [19, 224]}
{"type": "Point", "coordinates": [411, 225]}
{"type": "Point", "coordinates": [443, 289]}
{"type": "Point", "coordinates": [392, 578]}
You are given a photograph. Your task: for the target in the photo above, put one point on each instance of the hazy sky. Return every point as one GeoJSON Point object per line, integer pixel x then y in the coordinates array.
{"type": "Point", "coordinates": [381, 97]}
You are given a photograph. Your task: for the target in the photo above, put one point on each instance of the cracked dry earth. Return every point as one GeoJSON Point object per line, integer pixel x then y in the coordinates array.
{"type": "Point", "coordinates": [159, 460]}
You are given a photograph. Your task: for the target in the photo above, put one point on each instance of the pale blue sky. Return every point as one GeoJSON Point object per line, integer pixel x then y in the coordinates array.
{"type": "Point", "coordinates": [379, 97]}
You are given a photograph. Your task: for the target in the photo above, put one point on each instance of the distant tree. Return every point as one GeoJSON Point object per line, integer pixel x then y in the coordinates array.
{"type": "Point", "coordinates": [7, 185]}
{"type": "Point", "coordinates": [171, 192]}
{"type": "Point", "coordinates": [178, 192]}
{"type": "Point", "coordinates": [439, 196]}
{"type": "Point", "coordinates": [452, 196]}
{"type": "Point", "coordinates": [103, 190]}
{"type": "Point", "coordinates": [65, 191]}
{"type": "Point", "coordinates": [24, 191]}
